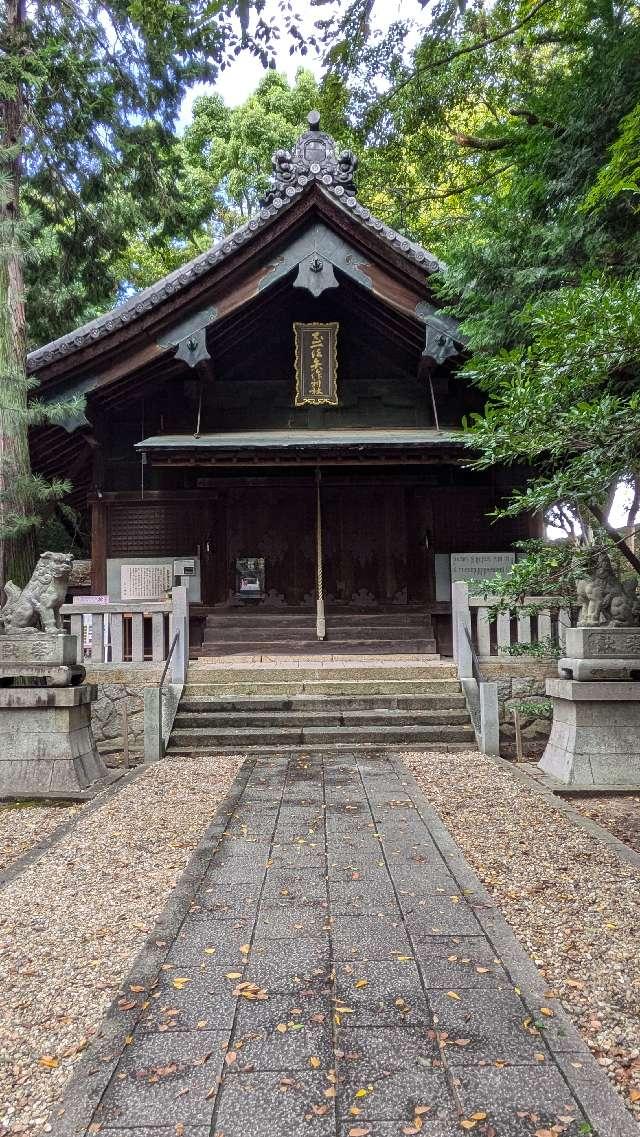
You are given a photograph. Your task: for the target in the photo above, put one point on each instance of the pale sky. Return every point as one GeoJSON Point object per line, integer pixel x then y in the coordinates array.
{"type": "Point", "coordinates": [242, 77]}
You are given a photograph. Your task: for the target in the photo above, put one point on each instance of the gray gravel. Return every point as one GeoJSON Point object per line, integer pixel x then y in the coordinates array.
{"type": "Point", "coordinates": [571, 901]}
{"type": "Point", "coordinates": [24, 825]}
{"type": "Point", "coordinates": [72, 922]}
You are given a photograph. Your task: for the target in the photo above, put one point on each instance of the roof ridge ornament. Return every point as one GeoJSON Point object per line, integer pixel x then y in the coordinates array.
{"type": "Point", "coordinates": [314, 159]}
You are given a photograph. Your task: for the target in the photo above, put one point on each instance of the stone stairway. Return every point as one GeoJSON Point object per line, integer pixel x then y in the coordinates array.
{"type": "Point", "coordinates": [247, 631]}
{"type": "Point", "coordinates": [271, 709]}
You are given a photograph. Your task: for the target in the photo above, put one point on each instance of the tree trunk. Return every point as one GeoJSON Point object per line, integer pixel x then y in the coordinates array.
{"type": "Point", "coordinates": [17, 552]}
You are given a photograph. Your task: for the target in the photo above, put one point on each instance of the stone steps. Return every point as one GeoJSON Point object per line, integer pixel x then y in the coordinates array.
{"type": "Point", "coordinates": [257, 710]}
{"type": "Point", "coordinates": [331, 704]}
{"type": "Point", "coordinates": [293, 631]}
{"type": "Point", "coordinates": [382, 717]}
{"type": "Point", "coordinates": [210, 739]}
{"type": "Point", "coordinates": [275, 646]}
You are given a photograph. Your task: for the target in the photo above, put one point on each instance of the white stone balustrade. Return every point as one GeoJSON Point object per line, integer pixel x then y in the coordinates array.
{"type": "Point", "coordinates": [494, 634]}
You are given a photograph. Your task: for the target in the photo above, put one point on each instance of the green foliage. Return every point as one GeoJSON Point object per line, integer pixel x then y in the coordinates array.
{"type": "Point", "coordinates": [533, 708]}
{"type": "Point", "coordinates": [510, 143]}
{"type": "Point", "coordinates": [546, 648]}
{"type": "Point", "coordinates": [221, 169]}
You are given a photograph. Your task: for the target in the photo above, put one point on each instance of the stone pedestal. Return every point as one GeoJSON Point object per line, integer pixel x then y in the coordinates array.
{"type": "Point", "coordinates": [30, 654]}
{"type": "Point", "coordinates": [594, 654]}
{"type": "Point", "coordinates": [47, 747]}
{"type": "Point", "coordinates": [595, 734]}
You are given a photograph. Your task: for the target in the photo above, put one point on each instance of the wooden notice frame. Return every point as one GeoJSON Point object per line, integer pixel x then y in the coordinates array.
{"type": "Point", "coordinates": [316, 364]}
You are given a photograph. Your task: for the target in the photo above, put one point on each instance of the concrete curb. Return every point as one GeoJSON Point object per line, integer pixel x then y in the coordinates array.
{"type": "Point", "coordinates": [600, 1103]}
{"type": "Point", "coordinates": [73, 1115]}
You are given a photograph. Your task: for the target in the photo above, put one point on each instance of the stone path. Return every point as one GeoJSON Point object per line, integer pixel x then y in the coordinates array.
{"type": "Point", "coordinates": [342, 972]}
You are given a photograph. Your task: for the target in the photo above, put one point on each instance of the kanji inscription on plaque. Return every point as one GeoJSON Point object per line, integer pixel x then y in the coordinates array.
{"type": "Point", "coordinates": [145, 582]}
{"type": "Point", "coordinates": [316, 363]}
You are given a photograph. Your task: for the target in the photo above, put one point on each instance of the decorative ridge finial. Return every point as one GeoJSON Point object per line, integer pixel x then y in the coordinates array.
{"type": "Point", "coordinates": [314, 159]}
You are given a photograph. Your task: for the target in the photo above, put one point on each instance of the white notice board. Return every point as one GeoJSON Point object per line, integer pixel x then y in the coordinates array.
{"type": "Point", "coordinates": [145, 582]}
{"type": "Point", "coordinates": [479, 566]}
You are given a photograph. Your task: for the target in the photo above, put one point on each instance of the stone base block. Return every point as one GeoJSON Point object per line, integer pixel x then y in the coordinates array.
{"type": "Point", "coordinates": [595, 734]}
{"type": "Point", "coordinates": [597, 670]}
{"type": "Point", "coordinates": [46, 742]}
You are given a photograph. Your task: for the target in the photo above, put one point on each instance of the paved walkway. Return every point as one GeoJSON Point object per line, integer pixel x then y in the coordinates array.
{"type": "Point", "coordinates": [338, 974]}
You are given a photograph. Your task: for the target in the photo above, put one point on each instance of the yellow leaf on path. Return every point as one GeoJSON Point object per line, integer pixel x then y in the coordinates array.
{"type": "Point", "coordinates": [361, 1093]}
{"type": "Point", "coordinates": [314, 1062]}
{"type": "Point", "coordinates": [634, 1095]}
{"type": "Point", "coordinates": [547, 1011]}
{"type": "Point", "coordinates": [466, 1124]}
{"type": "Point", "coordinates": [180, 982]}
{"type": "Point", "coordinates": [209, 951]}
{"type": "Point", "coordinates": [354, 1111]}
{"type": "Point", "coordinates": [420, 1109]}
{"type": "Point", "coordinates": [281, 1028]}
{"type": "Point", "coordinates": [230, 1057]}
{"type": "Point", "coordinates": [359, 1131]}
{"type": "Point", "coordinates": [361, 983]}
{"type": "Point", "coordinates": [245, 948]}
{"type": "Point", "coordinates": [49, 1062]}
{"type": "Point", "coordinates": [233, 975]}
{"type": "Point", "coordinates": [453, 994]}
{"type": "Point", "coordinates": [479, 1116]}
{"type": "Point", "coordinates": [417, 1123]}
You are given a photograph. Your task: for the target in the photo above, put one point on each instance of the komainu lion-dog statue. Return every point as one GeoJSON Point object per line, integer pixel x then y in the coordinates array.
{"type": "Point", "coordinates": [37, 606]}
{"type": "Point", "coordinates": [605, 600]}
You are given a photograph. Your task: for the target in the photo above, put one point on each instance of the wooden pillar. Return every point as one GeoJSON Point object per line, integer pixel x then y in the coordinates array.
{"type": "Point", "coordinates": [99, 523]}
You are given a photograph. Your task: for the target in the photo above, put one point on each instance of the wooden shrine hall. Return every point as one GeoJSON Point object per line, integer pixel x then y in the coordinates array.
{"type": "Point", "coordinates": [277, 422]}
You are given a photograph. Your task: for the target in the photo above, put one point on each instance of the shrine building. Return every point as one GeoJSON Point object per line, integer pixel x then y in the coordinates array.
{"type": "Point", "coordinates": [277, 423]}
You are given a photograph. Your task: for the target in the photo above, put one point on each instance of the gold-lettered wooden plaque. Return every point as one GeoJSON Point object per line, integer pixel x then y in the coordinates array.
{"type": "Point", "coordinates": [316, 363]}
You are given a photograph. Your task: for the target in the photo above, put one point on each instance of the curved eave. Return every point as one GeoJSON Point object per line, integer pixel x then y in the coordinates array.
{"type": "Point", "coordinates": [181, 279]}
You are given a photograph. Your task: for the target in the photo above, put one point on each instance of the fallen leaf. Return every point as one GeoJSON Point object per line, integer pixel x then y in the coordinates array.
{"type": "Point", "coordinates": [547, 1011]}
{"type": "Point", "coordinates": [479, 1116]}
{"type": "Point", "coordinates": [361, 983]}
{"type": "Point", "coordinates": [281, 1028]}
{"type": "Point", "coordinates": [453, 994]}
{"type": "Point", "coordinates": [49, 1062]}
{"type": "Point", "coordinates": [230, 1057]}
{"type": "Point", "coordinates": [180, 982]}
{"type": "Point", "coordinates": [359, 1131]}
{"type": "Point", "coordinates": [245, 948]}
{"type": "Point", "coordinates": [420, 1109]}
{"type": "Point", "coordinates": [233, 975]}
{"type": "Point", "coordinates": [314, 1062]}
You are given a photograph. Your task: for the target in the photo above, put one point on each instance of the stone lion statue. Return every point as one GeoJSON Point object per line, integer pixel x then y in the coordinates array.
{"type": "Point", "coordinates": [37, 606]}
{"type": "Point", "coordinates": [604, 599]}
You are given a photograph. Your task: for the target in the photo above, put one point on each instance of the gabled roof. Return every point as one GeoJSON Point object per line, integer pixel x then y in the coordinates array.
{"type": "Point", "coordinates": [313, 163]}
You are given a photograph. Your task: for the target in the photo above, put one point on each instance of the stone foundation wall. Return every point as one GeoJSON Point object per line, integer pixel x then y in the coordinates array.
{"type": "Point", "coordinates": [116, 686]}
{"type": "Point", "coordinates": [520, 680]}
